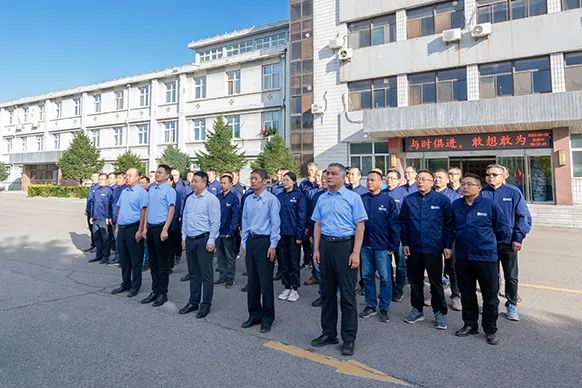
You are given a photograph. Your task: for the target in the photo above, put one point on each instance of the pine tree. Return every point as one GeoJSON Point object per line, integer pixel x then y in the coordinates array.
{"type": "Point", "coordinates": [81, 159]}
{"type": "Point", "coordinates": [176, 159]}
{"type": "Point", "coordinates": [3, 172]}
{"type": "Point", "coordinates": [276, 155]}
{"type": "Point", "coordinates": [221, 154]}
{"type": "Point", "coordinates": [128, 160]}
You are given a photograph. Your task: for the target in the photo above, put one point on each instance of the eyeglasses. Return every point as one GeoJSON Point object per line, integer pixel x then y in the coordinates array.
{"type": "Point", "coordinates": [467, 184]}
{"type": "Point", "coordinates": [492, 174]}
{"type": "Point", "coordinates": [392, 178]}
{"type": "Point", "coordinates": [454, 173]}
{"type": "Point", "coordinates": [421, 180]}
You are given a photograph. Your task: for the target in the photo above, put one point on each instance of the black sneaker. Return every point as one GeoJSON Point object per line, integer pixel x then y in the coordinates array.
{"type": "Point", "coordinates": [229, 284]}
{"type": "Point", "coordinates": [316, 302]}
{"type": "Point", "coordinates": [220, 281]}
{"type": "Point", "coordinates": [245, 288]}
{"type": "Point", "coordinates": [383, 315]}
{"type": "Point", "coordinates": [397, 297]}
{"type": "Point", "coordinates": [367, 312]}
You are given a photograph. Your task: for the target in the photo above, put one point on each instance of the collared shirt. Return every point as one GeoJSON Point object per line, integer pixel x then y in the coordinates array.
{"type": "Point", "coordinates": [398, 193]}
{"type": "Point", "coordinates": [101, 204]}
{"type": "Point", "coordinates": [292, 213]}
{"type": "Point", "coordinates": [90, 193]}
{"type": "Point", "coordinates": [382, 230]}
{"type": "Point", "coordinates": [130, 202]}
{"type": "Point", "coordinates": [451, 194]}
{"type": "Point", "coordinates": [311, 207]}
{"type": "Point", "coordinates": [338, 212]}
{"type": "Point", "coordinates": [457, 190]}
{"type": "Point", "coordinates": [229, 213]}
{"type": "Point", "coordinates": [114, 209]}
{"type": "Point", "coordinates": [513, 205]}
{"type": "Point", "coordinates": [426, 223]}
{"type": "Point", "coordinates": [359, 189]}
{"type": "Point", "coordinates": [214, 187]}
{"type": "Point", "coordinates": [261, 216]}
{"type": "Point", "coordinates": [161, 197]}
{"type": "Point", "coordinates": [276, 188]}
{"type": "Point", "coordinates": [478, 228]}
{"type": "Point", "coordinates": [306, 185]}
{"type": "Point", "coordinates": [201, 215]}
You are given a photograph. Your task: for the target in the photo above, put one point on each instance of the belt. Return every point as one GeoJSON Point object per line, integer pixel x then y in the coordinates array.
{"type": "Point", "coordinates": [203, 235]}
{"type": "Point", "coordinates": [156, 225]}
{"type": "Point", "coordinates": [336, 239]}
{"type": "Point", "coordinates": [254, 236]}
{"type": "Point", "coordinates": [124, 227]}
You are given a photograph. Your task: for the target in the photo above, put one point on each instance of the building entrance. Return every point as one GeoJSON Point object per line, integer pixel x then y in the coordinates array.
{"type": "Point", "coordinates": [473, 164]}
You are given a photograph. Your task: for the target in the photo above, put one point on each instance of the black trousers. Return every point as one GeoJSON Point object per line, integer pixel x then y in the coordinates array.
{"type": "Point", "coordinates": [201, 270]}
{"type": "Point", "coordinates": [260, 280]}
{"type": "Point", "coordinates": [130, 257]}
{"type": "Point", "coordinates": [451, 272]}
{"type": "Point", "coordinates": [307, 252]}
{"type": "Point", "coordinates": [508, 259]}
{"type": "Point", "coordinates": [417, 263]}
{"type": "Point", "coordinates": [110, 229]}
{"type": "Point", "coordinates": [226, 259]}
{"type": "Point", "coordinates": [336, 273]}
{"type": "Point", "coordinates": [289, 257]}
{"type": "Point", "coordinates": [159, 253]}
{"type": "Point", "coordinates": [91, 231]}
{"type": "Point", "coordinates": [174, 245]}
{"type": "Point", "coordinates": [101, 237]}
{"type": "Point", "coordinates": [487, 274]}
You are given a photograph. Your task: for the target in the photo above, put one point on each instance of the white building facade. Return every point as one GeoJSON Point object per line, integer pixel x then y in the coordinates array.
{"type": "Point", "coordinates": [240, 75]}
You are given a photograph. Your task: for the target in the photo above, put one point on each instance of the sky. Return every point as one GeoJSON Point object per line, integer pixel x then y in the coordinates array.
{"type": "Point", "coordinates": [53, 45]}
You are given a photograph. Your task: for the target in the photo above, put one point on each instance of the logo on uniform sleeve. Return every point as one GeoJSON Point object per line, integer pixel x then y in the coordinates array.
{"type": "Point", "coordinates": [479, 214]}
{"type": "Point", "coordinates": [293, 200]}
{"type": "Point", "coordinates": [432, 207]}
{"type": "Point", "coordinates": [507, 199]}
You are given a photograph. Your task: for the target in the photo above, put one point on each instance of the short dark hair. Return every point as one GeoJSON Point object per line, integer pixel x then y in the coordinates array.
{"type": "Point", "coordinates": [166, 168]}
{"type": "Point", "coordinates": [356, 168]}
{"type": "Point", "coordinates": [441, 170]}
{"type": "Point", "coordinates": [103, 174]}
{"type": "Point", "coordinates": [375, 171]}
{"type": "Point", "coordinates": [229, 177]}
{"type": "Point", "coordinates": [394, 171]}
{"type": "Point", "coordinates": [260, 172]}
{"type": "Point", "coordinates": [202, 175]}
{"type": "Point", "coordinates": [291, 176]}
{"type": "Point", "coordinates": [425, 171]}
{"type": "Point", "coordinates": [472, 175]}
{"type": "Point", "coordinates": [111, 173]}
{"type": "Point", "coordinates": [152, 172]}
{"type": "Point", "coordinates": [211, 170]}
{"type": "Point", "coordinates": [343, 170]}
{"type": "Point", "coordinates": [414, 168]}
{"type": "Point", "coordinates": [147, 178]}
{"type": "Point", "coordinates": [171, 178]}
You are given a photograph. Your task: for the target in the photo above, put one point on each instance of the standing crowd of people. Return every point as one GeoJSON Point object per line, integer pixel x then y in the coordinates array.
{"type": "Point", "coordinates": [441, 223]}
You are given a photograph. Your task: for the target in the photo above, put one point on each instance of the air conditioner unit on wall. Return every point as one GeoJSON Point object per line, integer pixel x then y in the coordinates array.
{"type": "Point", "coordinates": [316, 109]}
{"type": "Point", "coordinates": [345, 54]}
{"type": "Point", "coordinates": [481, 30]}
{"type": "Point", "coordinates": [336, 43]}
{"type": "Point", "coordinates": [451, 36]}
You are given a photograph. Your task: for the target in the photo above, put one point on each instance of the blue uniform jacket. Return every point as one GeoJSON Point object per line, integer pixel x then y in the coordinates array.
{"type": "Point", "coordinates": [513, 205]}
{"type": "Point", "coordinates": [312, 201]}
{"type": "Point", "coordinates": [427, 223]}
{"type": "Point", "coordinates": [276, 189]}
{"type": "Point", "coordinates": [397, 194]}
{"type": "Point", "coordinates": [306, 186]}
{"type": "Point", "coordinates": [90, 193]}
{"type": "Point", "coordinates": [382, 230]}
{"type": "Point", "coordinates": [115, 197]}
{"type": "Point", "coordinates": [214, 187]}
{"type": "Point", "coordinates": [242, 203]}
{"type": "Point", "coordinates": [229, 213]}
{"type": "Point", "coordinates": [451, 194]}
{"type": "Point", "coordinates": [176, 224]}
{"type": "Point", "coordinates": [360, 189]}
{"type": "Point", "coordinates": [293, 213]}
{"type": "Point", "coordinates": [102, 203]}
{"type": "Point", "coordinates": [478, 228]}
{"type": "Point", "coordinates": [410, 188]}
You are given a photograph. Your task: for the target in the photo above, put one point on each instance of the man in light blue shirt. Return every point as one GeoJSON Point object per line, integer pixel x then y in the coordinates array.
{"type": "Point", "coordinates": [339, 218]}
{"type": "Point", "coordinates": [200, 229]}
{"type": "Point", "coordinates": [260, 234]}
{"type": "Point", "coordinates": [161, 207]}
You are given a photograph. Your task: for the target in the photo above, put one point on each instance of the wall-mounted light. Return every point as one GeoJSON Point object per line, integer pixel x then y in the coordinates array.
{"type": "Point", "coordinates": [562, 157]}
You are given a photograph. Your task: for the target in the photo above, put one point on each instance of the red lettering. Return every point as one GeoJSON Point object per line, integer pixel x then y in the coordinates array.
{"type": "Point", "coordinates": [505, 140]}
{"type": "Point", "coordinates": [451, 143]}
{"type": "Point", "coordinates": [520, 139]}
{"type": "Point", "coordinates": [425, 144]}
{"type": "Point", "coordinates": [491, 141]}
{"type": "Point", "coordinates": [438, 143]}
{"type": "Point", "coordinates": [414, 144]}
{"type": "Point", "coordinates": [477, 141]}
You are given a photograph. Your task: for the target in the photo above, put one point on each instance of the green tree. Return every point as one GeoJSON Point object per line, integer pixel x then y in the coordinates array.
{"type": "Point", "coordinates": [128, 160]}
{"type": "Point", "coordinates": [221, 154]}
{"type": "Point", "coordinates": [274, 156]}
{"type": "Point", "coordinates": [81, 159]}
{"type": "Point", "coordinates": [3, 172]}
{"type": "Point", "coordinates": [176, 159]}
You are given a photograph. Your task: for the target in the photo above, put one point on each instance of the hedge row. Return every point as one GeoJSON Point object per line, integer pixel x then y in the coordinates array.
{"type": "Point", "coordinates": [58, 191]}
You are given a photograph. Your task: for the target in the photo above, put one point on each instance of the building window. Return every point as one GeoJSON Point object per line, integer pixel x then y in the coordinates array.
{"type": "Point", "coordinates": [199, 129]}
{"type": "Point", "coordinates": [170, 92]}
{"type": "Point", "coordinates": [211, 54]}
{"type": "Point", "coordinates": [367, 156]}
{"type": "Point", "coordinates": [517, 78]}
{"type": "Point", "coordinates": [119, 100]}
{"type": "Point", "coordinates": [271, 120]}
{"type": "Point", "coordinates": [239, 48]}
{"type": "Point", "coordinates": [372, 32]}
{"type": "Point", "coordinates": [143, 134]}
{"type": "Point", "coordinates": [97, 100]}
{"type": "Point", "coordinates": [77, 106]}
{"type": "Point", "coordinates": [144, 96]}
{"type": "Point", "coordinates": [118, 136]}
{"type": "Point", "coordinates": [10, 117]}
{"type": "Point", "coordinates": [577, 155]}
{"type": "Point", "coordinates": [199, 88]}
{"type": "Point", "coordinates": [378, 93]}
{"type": "Point", "coordinates": [41, 112]}
{"type": "Point", "coordinates": [271, 76]}
{"type": "Point", "coordinates": [571, 4]}
{"type": "Point", "coordinates": [59, 109]}
{"type": "Point", "coordinates": [26, 114]}
{"type": "Point", "coordinates": [233, 82]}
{"type": "Point", "coordinates": [441, 86]}
{"type": "Point", "coordinates": [573, 71]}
{"type": "Point", "coordinates": [39, 143]}
{"type": "Point", "coordinates": [496, 11]}
{"type": "Point", "coordinates": [434, 19]}
{"type": "Point", "coordinates": [234, 124]}
{"type": "Point", "coordinates": [271, 41]}
{"type": "Point", "coordinates": [95, 137]}
{"type": "Point", "coordinates": [170, 132]}
{"type": "Point", "coordinates": [56, 141]}
{"type": "Point", "coordinates": [8, 146]}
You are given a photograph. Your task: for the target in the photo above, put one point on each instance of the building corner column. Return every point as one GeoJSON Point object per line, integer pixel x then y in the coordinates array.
{"type": "Point", "coordinates": [562, 173]}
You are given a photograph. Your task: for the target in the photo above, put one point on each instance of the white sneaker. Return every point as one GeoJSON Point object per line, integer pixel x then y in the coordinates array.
{"type": "Point", "coordinates": [285, 294]}
{"type": "Point", "coordinates": [293, 296]}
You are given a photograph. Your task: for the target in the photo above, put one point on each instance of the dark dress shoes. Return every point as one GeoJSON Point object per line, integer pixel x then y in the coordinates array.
{"type": "Point", "coordinates": [185, 278]}
{"type": "Point", "coordinates": [160, 300]}
{"type": "Point", "coordinates": [492, 339]}
{"type": "Point", "coordinates": [94, 260]}
{"type": "Point", "coordinates": [204, 310]}
{"type": "Point", "coordinates": [245, 288]}
{"type": "Point", "coordinates": [323, 340]}
{"type": "Point", "coordinates": [220, 281]}
{"type": "Point", "coordinates": [90, 249]}
{"type": "Point", "coordinates": [316, 302]}
{"type": "Point", "coordinates": [249, 323]}
{"type": "Point", "coordinates": [151, 297]}
{"type": "Point", "coordinates": [188, 308]}
{"type": "Point", "coordinates": [118, 290]}
{"type": "Point", "coordinates": [465, 331]}
{"type": "Point", "coordinates": [348, 348]}
{"type": "Point", "coordinates": [132, 293]}
{"type": "Point", "coordinates": [265, 328]}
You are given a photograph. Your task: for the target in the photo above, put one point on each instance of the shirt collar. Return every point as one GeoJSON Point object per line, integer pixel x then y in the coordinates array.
{"type": "Point", "coordinates": [202, 194]}
{"type": "Point", "coordinates": [161, 186]}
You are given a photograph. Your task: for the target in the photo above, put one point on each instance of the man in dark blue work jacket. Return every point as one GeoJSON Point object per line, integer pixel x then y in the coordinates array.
{"type": "Point", "coordinates": [381, 239]}
{"type": "Point", "coordinates": [229, 221]}
{"type": "Point", "coordinates": [511, 201]}
{"type": "Point", "coordinates": [94, 186]}
{"type": "Point", "coordinates": [479, 224]}
{"type": "Point", "coordinates": [426, 219]}
{"type": "Point", "coordinates": [120, 185]}
{"type": "Point", "coordinates": [101, 219]}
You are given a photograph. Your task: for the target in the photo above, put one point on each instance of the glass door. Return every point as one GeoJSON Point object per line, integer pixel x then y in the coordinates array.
{"type": "Point", "coordinates": [517, 173]}
{"type": "Point", "coordinates": [540, 179]}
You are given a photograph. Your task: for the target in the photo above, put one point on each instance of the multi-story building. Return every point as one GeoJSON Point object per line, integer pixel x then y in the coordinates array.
{"type": "Point", "coordinates": [241, 75]}
{"type": "Point", "coordinates": [437, 84]}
